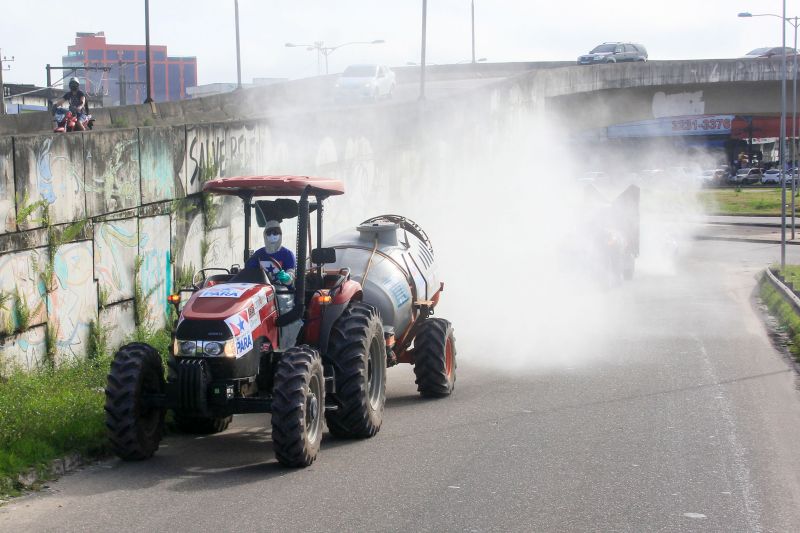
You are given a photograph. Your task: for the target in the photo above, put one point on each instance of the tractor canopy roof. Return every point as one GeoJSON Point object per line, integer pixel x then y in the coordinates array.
{"type": "Point", "coordinates": [274, 186]}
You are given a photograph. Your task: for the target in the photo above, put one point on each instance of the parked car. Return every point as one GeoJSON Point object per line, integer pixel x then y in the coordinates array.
{"type": "Point", "coordinates": [614, 52]}
{"type": "Point", "coordinates": [365, 82]}
{"type": "Point", "coordinates": [771, 176]}
{"type": "Point", "coordinates": [747, 175]}
{"type": "Point", "coordinates": [768, 52]}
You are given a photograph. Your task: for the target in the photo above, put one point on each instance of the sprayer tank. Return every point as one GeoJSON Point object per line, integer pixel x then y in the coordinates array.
{"type": "Point", "coordinates": [392, 258]}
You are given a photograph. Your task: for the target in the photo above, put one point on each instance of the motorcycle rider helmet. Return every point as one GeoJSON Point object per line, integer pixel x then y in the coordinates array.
{"type": "Point", "coordinates": [74, 84]}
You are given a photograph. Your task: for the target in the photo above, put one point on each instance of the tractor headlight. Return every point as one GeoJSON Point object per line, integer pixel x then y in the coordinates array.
{"type": "Point", "coordinates": [188, 348]}
{"type": "Point", "coordinates": [213, 348]}
{"type": "Point", "coordinates": [230, 348]}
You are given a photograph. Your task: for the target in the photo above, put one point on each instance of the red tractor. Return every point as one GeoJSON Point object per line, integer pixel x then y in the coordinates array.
{"type": "Point", "coordinates": [312, 352]}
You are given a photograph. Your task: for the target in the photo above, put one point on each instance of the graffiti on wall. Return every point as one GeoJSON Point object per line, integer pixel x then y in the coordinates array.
{"type": "Point", "coordinates": [19, 279]}
{"type": "Point", "coordinates": [50, 168]}
{"type": "Point", "coordinates": [215, 151]}
{"type": "Point", "coordinates": [162, 155]}
{"type": "Point", "coordinates": [112, 172]}
{"type": "Point", "coordinates": [25, 350]}
{"type": "Point", "coordinates": [155, 275]}
{"type": "Point", "coordinates": [73, 303]}
{"type": "Point", "coordinates": [115, 250]}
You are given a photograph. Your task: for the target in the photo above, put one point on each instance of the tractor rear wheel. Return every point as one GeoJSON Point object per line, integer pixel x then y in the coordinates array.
{"type": "Point", "coordinates": [202, 425]}
{"type": "Point", "coordinates": [357, 350]}
{"type": "Point", "coordinates": [297, 406]}
{"type": "Point", "coordinates": [435, 358]}
{"type": "Point", "coordinates": [134, 428]}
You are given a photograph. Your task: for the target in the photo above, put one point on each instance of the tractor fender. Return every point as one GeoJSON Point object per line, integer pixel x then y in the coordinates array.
{"type": "Point", "coordinates": [350, 291]}
{"type": "Point", "coordinates": [329, 317]}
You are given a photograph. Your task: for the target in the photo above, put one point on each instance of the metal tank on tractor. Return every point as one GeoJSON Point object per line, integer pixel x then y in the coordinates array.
{"type": "Point", "coordinates": [308, 354]}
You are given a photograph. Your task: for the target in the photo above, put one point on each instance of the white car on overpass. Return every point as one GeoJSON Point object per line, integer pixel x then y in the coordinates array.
{"type": "Point", "coordinates": [365, 82]}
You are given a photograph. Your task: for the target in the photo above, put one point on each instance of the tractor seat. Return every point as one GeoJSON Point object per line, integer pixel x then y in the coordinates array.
{"type": "Point", "coordinates": [250, 275]}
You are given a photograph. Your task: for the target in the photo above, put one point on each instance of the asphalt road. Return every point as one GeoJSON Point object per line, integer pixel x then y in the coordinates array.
{"type": "Point", "coordinates": [685, 418]}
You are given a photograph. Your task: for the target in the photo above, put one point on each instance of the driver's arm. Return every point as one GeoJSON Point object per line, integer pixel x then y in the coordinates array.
{"type": "Point", "coordinates": [83, 104]}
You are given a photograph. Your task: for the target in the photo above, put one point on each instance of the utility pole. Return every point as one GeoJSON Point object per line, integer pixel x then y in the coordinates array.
{"type": "Point", "coordinates": [238, 55]}
{"type": "Point", "coordinates": [149, 98]}
{"type": "Point", "coordinates": [3, 59]}
{"type": "Point", "coordinates": [123, 89]}
{"type": "Point", "coordinates": [422, 60]}
{"type": "Point", "coordinates": [49, 83]}
{"type": "Point", "coordinates": [783, 142]}
{"type": "Point", "coordinates": [473, 31]}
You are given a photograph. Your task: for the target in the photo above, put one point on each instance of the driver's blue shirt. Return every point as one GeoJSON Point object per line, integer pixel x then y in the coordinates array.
{"type": "Point", "coordinates": [262, 259]}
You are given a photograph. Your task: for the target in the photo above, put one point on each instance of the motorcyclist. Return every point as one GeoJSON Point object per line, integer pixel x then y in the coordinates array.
{"type": "Point", "coordinates": [278, 262]}
{"type": "Point", "coordinates": [77, 103]}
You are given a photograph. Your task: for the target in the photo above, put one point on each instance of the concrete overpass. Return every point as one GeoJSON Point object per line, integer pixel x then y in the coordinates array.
{"type": "Point", "coordinates": [586, 97]}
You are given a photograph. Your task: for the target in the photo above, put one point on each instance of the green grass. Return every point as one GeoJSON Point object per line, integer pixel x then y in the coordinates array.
{"type": "Point", "coordinates": [47, 413]}
{"type": "Point", "coordinates": [784, 312]}
{"type": "Point", "coordinates": [50, 412]}
{"type": "Point", "coordinates": [761, 201]}
{"type": "Point", "coordinates": [791, 274]}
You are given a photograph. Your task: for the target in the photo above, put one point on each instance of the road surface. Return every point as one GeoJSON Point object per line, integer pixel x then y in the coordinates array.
{"type": "Point", "coordinates": [684, 418]}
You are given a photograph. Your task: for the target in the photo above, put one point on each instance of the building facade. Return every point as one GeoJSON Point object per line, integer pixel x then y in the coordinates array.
{"type": "Point", "coordinates": [116, 72]}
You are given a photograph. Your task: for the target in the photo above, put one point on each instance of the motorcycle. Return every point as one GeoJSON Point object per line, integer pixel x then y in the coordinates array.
{"type": "Point", "coordinates": [67, 120]}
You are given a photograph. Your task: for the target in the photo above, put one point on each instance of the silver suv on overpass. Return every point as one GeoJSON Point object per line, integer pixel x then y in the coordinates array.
{"type": "Point", "coordinates": [614, 53]}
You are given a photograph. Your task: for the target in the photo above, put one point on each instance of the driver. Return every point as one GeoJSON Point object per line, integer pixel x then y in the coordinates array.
{"type": "Point", "coordinates": [278, 262]}
{"type": "Point", "coordinates": [77, 102]}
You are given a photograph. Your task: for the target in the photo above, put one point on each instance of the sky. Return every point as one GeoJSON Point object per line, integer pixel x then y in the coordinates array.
{"type": "Point", "coordinates": [37, 32]}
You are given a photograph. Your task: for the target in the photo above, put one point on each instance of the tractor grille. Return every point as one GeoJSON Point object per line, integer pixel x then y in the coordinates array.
{"type": "Point", "coordinates": [204, 330]}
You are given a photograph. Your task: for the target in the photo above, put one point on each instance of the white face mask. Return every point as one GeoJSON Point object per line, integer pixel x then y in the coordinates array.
{"type": "Point", "coordinates": [272, 243]}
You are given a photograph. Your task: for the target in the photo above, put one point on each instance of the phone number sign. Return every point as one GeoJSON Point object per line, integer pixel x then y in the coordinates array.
{"type": "Point", "coordinates": [673, 127]}
{"type": "Point", "coordinates": [709, 124]}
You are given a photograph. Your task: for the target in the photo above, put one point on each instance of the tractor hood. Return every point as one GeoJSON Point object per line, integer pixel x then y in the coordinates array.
{"type": "Point", "coordinates": [224, 300]}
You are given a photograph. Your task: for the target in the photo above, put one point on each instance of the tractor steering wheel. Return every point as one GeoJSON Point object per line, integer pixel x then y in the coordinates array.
{"type": "Point", "coordinates": [277, 265]}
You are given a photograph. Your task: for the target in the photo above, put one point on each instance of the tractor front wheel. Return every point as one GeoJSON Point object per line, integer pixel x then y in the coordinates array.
{"type": "Point", "coordinates": [435, 358]}
{"type": "Point", "coordinates": [357, 350]}
{"type": "Point", "coordinates": [201, 425]}
{"type": "Point", "coordinates": [134, 427]}
{"type": "Point", "coordinates": [297, 406]}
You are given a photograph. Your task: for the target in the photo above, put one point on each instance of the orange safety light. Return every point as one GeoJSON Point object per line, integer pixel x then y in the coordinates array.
{"type": "Point", "coordinates": [174, 299]}
{"type": "Point", "coordinates": [324, 299]}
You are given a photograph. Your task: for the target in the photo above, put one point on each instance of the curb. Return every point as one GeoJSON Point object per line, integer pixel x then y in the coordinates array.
{"type": "Point", "coordinates": [32, 478]}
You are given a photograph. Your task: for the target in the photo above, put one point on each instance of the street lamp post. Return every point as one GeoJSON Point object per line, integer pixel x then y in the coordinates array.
{"type": "Point", "coordinates": [472, 10]}
{"type": "Point", "coordinates": [325, 51]}
{"type": "Point", "coordinates": [238, 55]}
{"type": "Point", "coordinates": [149, 98]}
{"type": "Point", "coordinates": [782, 138]}
{"type": "Point", "coordinates": [422, 59]}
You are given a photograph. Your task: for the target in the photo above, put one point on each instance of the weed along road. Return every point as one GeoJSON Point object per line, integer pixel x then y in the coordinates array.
{"type": "Point", "coordinates": [685, 418]}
